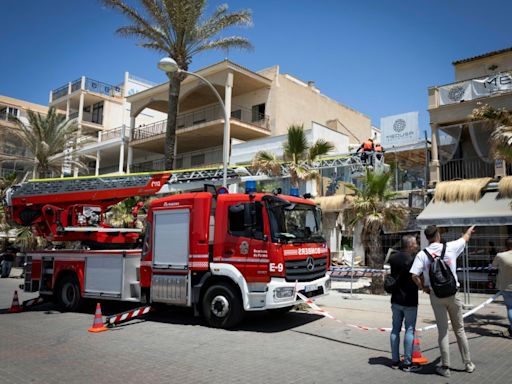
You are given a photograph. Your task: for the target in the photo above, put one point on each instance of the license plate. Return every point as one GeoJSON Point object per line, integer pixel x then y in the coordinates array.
{"type": "Point", "coordinates": [310, 288]}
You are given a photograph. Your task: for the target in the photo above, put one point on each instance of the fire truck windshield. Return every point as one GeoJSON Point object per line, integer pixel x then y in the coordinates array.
{"type": "Point", "coordinates": [295, 223]}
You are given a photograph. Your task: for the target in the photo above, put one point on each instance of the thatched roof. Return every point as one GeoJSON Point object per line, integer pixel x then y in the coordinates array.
{"type": "Point", "coordinates": [505, 187]}
{"type": "Point", "coordinates": [461, 190]}
{"type": "Point", "coordinates": [334, 203]}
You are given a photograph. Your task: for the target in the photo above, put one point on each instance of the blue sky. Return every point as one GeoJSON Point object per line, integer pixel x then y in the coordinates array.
{"type": "Point", "coordinates": [376, 56]}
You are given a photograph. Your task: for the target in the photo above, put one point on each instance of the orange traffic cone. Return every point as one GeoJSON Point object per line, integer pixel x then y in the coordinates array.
{"type": "Point", "coordinates": [15, 306]}
{"type": "Point", "coordinates": [417, 357]}
{"type": "Point", "coordinates": [97, 325]}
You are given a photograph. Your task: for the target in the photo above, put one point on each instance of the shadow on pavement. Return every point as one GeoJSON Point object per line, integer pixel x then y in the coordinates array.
{"type": "Point", "coordinates": [426, 369]}
{"type": "Point", "coordinates": [253, 321]}
{"type": "Point", "coordinates": [343, 342]}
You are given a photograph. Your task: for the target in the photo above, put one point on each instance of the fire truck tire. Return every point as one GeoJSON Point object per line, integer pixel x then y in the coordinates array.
{"type": "Point", "coordinates": [222, 306]}
{"type": "Point", "coordinates": [68, 293]}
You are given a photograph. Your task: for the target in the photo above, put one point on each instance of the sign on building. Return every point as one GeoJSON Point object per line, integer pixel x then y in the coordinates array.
{"type": "Point", "coordinates": [399, 130]}
{"type": "Point", "coordinates": [475, 88]}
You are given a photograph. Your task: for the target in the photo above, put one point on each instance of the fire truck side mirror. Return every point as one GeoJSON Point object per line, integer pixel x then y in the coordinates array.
{"type": "Point", "coordinates": [249, 215]}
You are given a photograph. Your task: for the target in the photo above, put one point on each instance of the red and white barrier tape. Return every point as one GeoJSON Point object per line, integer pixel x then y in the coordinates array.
{"type": "Point", "coordinates": [112, 320]}
{"type": "Point", "coordinates": [325, 313]}
{"type": "Point", "coordinates": [369, 272]}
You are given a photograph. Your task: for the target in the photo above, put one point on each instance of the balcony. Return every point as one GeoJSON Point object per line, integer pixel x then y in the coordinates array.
{"type": "Point", "coordinates": [89, 85]}
{"type": "Point", "coordinates": [203, 128]}
{"type": "Point", "coordinates": [467, 168]}
{"type": "Point", "coordinates": [471, 89]}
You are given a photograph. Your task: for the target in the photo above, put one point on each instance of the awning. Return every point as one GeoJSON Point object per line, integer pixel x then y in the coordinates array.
{"type": "Point", "coordinates": [489, 210]}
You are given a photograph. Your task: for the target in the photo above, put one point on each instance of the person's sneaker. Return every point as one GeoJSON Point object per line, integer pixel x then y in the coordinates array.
{"type": "Point", "coordinates": [470, 367]}
{"type": "Point", "coordinates": [411, 368]}
{"type": "Point", "coordinates": [443, 371]}
{"type": "Point", "coordinates": [395, 364]}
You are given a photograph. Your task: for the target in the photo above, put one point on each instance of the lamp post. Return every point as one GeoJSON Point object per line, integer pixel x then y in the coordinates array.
{"type": "Point", "coordinates": [168, 65]}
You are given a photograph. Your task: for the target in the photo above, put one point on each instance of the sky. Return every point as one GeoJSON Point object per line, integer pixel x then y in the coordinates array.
{"type": "Point", "coordinates": [376, 56]}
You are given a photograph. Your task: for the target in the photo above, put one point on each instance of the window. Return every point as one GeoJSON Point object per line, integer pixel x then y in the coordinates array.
{"type": "Point", "coordinates": [11, 111]}
{"type": "Point", "coordinates": [236, 221]}
{"type": "Point", "coordinates": [6, 112]}
{"type": "Point", "coordinates": [258, 112]}
{"type": "Point", "coordinates": [179, 162]}
{"type": "Point", "coordinates": [197, 160]}
{"type": "Point", "coordinates": [97, 113]}
{"type": "Point", "coordinates": [237, 114]}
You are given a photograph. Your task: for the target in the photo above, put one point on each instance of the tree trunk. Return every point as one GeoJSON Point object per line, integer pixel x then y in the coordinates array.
{"type": "Point", "coordinates": [375, 260]}
{"type": "Point", "coordinates": [172, 114]}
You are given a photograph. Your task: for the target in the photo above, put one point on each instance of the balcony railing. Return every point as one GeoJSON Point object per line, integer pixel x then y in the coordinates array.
{"type": "Point", "coordinates": [148, 166]}
{"type": "Point", "coordinates": [468, 168]}
{"type": "Point", "coordinates": [202, 116]}
{"type": "Point", "coordinates": [474, 88]}
{"type": "Point", "coordinates": [145, 131]}
{"type": "Point", "coordinates": [114, 133]}
{"type": "Point", "coordinates": [89, 85]}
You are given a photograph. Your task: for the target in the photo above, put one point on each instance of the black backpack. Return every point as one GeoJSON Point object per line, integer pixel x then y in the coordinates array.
{"type": "Point", "coordinates": [441, 277]}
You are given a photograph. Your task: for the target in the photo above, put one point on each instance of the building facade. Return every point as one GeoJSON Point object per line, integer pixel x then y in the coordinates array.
{"type": "Point", "coordinates": [103, 117]}
{"type": "Point", "coordinates": [261, 104]}
{"type": "Point", "coordinates": [9, 142]}
{"type": "Point", "coordinates": [460, 145]}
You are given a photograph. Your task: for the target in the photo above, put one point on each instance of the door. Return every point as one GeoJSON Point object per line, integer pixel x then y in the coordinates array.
{"type": "Point", "coordinates": [171, 239]}
{"type": "Point", "coordinates": [169, 282]}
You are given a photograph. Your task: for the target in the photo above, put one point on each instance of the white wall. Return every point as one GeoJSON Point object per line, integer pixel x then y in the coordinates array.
{"type": "Point", "coordinates": [243, 153]}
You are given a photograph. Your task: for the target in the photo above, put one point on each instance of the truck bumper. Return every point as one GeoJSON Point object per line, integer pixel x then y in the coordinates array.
{"type": "Point", "coordinates": [281, 293]}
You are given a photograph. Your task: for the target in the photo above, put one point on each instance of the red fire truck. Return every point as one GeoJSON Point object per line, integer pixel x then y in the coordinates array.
{"type": "Point", "coordinates": [222, 254]}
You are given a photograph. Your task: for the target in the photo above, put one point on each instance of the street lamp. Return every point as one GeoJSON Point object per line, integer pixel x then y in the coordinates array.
{"type": "Point", "coordinates": [169, 65]}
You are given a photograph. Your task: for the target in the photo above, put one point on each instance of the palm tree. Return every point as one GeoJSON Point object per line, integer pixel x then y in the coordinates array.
{"type": "Point", "coordinates": [178, 29]}
{"type": "Point", "coordinates": [298, 154]}
{"type": "Point", "coordinates": [501, 136]}
{"type": "Point", "coordinates": [46, 137]}
{"type": "Point", "coordinates": [373, 208]}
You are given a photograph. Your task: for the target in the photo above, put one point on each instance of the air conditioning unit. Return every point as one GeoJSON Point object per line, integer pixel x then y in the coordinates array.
{"type": "Point", "coordinates": [500, 169]}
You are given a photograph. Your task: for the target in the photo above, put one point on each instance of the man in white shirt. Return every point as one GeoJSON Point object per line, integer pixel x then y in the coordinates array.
{"type": "Point", "coordinates": [443, 307]}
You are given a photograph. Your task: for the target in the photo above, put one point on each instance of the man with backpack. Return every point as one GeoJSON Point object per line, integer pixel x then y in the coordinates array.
{"type": "Point", "coordinates": [437, 263]}
{"type": "Point", "coordinates": [404, 303]}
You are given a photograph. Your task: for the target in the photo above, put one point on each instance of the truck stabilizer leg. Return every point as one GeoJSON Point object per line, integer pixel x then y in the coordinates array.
{"type": "Point", "coordinates": [112, 321]}
{"type": "Point", "coordinates": [27, 304]}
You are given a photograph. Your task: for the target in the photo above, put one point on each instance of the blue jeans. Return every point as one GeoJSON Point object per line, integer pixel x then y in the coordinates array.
{"type": "Point", "coordinates": [507, 298]}
{"type": "Point", "coordinates": [401, 313]}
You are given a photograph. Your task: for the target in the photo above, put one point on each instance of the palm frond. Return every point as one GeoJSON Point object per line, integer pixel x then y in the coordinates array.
{"type": "Point", "coordinates": [297, 144]}
{"type": "Point", "coordinates": [223, 43]}
{"type": "Point", "coordinates": [319, 148]}
{"type": "Point", "coordinates": [267, 162]}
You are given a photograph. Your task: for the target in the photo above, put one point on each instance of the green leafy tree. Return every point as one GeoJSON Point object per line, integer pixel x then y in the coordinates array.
{"type": "Point", "coordinates": [179, 29]}
{"type": "Point", "coordinates": [501, 136]}
{"type": "Point", "coordinates": [373, 207]}
{"type": "Point", "coordinates": [46, 137]}
{"type": "Point", "coordinates": [297, 153]}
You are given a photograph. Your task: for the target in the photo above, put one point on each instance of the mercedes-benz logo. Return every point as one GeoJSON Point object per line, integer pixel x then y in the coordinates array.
{"type": "Point", "coordinates": [399, 125]}
{"type": "Point", "coordinates": [310, 263]}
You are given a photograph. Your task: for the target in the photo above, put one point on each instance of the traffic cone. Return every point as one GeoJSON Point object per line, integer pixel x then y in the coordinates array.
{"type": "Point", "coordinates": [417, 357]}
{"type": "Point", "coordinates": [97, 325]}
{"type": "Point", "coordinates": [15, 306]}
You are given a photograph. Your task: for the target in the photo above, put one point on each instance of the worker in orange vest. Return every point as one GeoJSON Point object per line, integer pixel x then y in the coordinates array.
{"type": "Point", "coordinates": [379, 151]}
{"type": "Point", "coordinates": [366, 150]}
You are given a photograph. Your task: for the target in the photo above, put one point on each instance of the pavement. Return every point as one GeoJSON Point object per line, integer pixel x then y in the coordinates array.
{"type": "Point", "coordinates": [47, 346]}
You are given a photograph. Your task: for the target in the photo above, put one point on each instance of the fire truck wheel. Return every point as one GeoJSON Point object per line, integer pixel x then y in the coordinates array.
{"type": "Point", "coordinates": [68, 293]}
{"type": "Point", "coordinates": [222, 307]}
